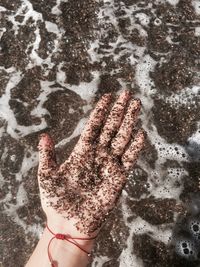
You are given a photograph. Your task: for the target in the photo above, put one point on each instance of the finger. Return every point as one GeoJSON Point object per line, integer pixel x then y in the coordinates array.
{"type": "Point", "coordinates": [96, 119]}
{"type": "Point", "coordinates": [124, 134]}
{"type": "Point", "coordinates": [130, 156]}
{"type": "Point", "coordinates": [47, 158]}
{"type": "Point", "coordinates": [114, 119]}
{"type": "Point", "coordinates": [90, 132]}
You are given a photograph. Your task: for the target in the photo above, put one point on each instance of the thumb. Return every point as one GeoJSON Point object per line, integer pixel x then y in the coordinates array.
{"type": "Point", "coordinates": [47, 157]}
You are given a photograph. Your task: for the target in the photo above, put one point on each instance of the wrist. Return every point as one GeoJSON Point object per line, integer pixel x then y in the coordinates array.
{"type": "Point", "coordinates": [75, 240]}
{"type": "Point", "coordinates": [60, 252]}
{"type": "Point", "coordinates": [51, 251]}
{"type": "Point", "coordinates": [63, 225]}
{"type": "Point", "coordinates": [66, 246]}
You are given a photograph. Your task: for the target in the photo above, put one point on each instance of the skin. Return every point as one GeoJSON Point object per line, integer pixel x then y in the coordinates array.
{"type": "Point", "coordinates": [86, 186]}
{"type": "Point", "coordinates": [78, 195]}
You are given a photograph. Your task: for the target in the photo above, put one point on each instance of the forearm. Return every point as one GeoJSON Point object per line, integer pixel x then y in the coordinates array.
{"type": "Point", "coordinates": [63, 253]}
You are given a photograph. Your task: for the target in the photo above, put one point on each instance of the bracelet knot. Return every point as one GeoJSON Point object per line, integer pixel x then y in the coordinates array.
{"type": "Point", "coordinates": [67, 238]}
{"type": "Point", "coordinates": [60, 236]}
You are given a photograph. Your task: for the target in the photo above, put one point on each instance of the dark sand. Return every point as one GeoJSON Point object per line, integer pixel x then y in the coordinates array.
{"type": "Point", "coordinates": [172, 41]}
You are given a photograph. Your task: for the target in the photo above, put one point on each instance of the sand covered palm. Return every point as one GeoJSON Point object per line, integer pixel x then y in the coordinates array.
{"type": "Point", "coordinates": [86, 186]}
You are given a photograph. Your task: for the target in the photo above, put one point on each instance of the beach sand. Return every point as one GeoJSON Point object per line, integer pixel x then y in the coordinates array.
{"type": "Point", "coordinates": [56, 59]}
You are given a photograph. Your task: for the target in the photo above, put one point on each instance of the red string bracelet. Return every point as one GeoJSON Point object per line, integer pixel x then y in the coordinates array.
{"type": "Point", "coordinates": [69, 239]}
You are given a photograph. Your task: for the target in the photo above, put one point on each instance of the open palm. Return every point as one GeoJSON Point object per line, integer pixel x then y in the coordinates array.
{"type": "Point", "coordinates": [86, 186]}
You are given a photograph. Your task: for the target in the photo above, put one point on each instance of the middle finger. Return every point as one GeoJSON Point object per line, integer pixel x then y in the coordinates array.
{"type": "Point", "coordinates": [114, 119]}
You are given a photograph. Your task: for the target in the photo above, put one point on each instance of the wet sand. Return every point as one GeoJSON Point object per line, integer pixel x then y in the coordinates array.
{"type": "Point", "coordinates": [56, 59]}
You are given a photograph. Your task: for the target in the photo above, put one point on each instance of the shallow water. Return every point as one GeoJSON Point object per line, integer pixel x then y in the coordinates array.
{"type": "Point", "coordinates": [56, 59]}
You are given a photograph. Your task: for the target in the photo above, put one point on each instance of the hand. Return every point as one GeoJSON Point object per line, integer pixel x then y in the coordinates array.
{"type": "Point", "coordinates": [78, 195]}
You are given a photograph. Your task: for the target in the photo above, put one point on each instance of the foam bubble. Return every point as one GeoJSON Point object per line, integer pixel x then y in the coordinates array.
{"type": "Point", "coordinates": [194, 227]}
{"type": "Point", "coordinates": [186, 97]}
{"type": "Point", "coordinates": [157, 22]}
{"type": "Point", "coordinates": [186, 248]}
